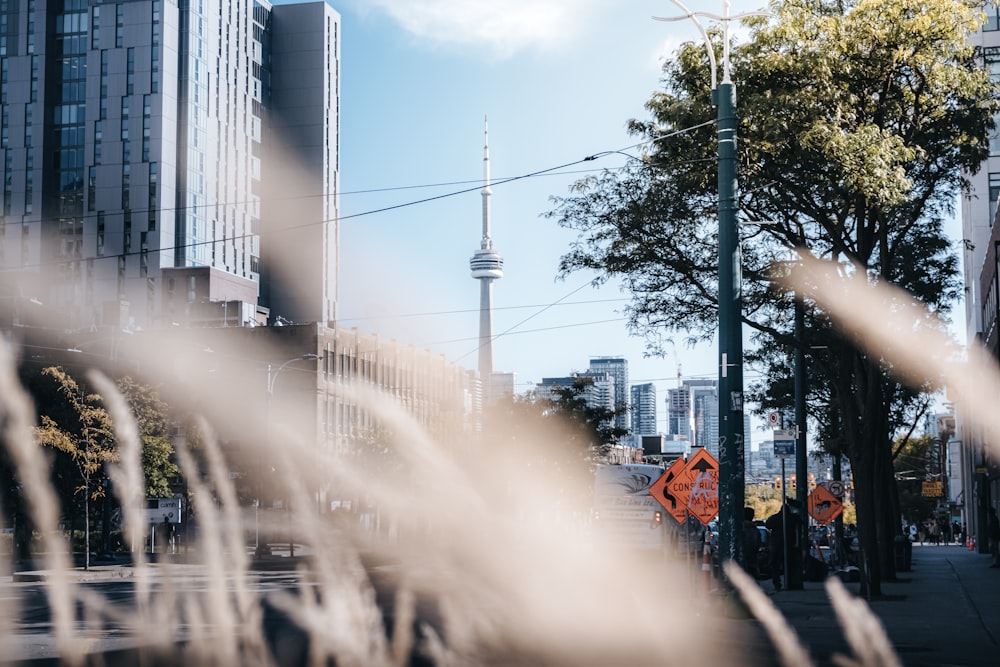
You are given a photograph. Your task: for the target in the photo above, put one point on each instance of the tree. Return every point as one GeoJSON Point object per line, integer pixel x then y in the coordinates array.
{"type": "Point", "coordinates": [856, 122]}
{"type": "Point", "coordinates": [912, 465]}
{"type": "Point", "coordinates": [592, 426]}
{"type": "Point", "coordinates": [84, 433]}
{"type": "Point", "coordinates": [151, 416]}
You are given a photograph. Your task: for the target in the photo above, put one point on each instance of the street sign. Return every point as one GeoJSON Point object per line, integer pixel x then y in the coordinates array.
{"type": "Point", "coordinates": [774, 419]}
{"type": "Point", "coordinates": [824, 507]}
{"type": "Point", "coordinates": [697, 487]}
{"type": "Point", "coordinates": [836, 487]}
{"type": "Point", "coordinates": [931, 489]}
{"type": "Point", "coordinates": [163, 510]}
{"type": "Point", "coordinates": [784, 444]}
{"type": "Point", "coordinates": [658, 489]}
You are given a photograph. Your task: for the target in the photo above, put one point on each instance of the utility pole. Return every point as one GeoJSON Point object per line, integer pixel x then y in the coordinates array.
{"type": "Point", "coordinates": [797, 556]}
{"type": "Point", "coordinates": [732, 474]}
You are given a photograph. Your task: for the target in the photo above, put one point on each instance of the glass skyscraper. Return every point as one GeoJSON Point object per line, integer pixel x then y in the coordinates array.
{"type": "Point", "coordinates": [160, 156]}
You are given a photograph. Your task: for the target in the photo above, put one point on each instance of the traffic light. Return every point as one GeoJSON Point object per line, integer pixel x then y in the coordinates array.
{"type": "Point", "coordinates": [777, 482]}
{"type": "Point", "coordinates": [791, 481]}
{"type": "Point", "coordinates": [812, 481]}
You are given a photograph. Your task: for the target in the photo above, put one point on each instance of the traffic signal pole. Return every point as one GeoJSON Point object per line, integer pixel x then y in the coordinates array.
{"type": "Point", "coordinates": [797, 556]}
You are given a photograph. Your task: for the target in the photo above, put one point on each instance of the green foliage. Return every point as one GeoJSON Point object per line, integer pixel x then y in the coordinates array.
{"type": "Point", "coordinates": [913, 466]}
{"type": "Point", "coordinates": [151, 415]}
{"type": "Point", "coordinates": [763, 498]}
{"type": "Point", "coordinates": [593, 425]}
{"type": "Point", "coordinates": [83, 431]}
{"type": "Point", "coordinates": [856, 123]}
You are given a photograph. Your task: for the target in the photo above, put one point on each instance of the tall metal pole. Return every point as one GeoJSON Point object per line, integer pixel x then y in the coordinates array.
{"type": "Point", "coordinates": [797, 557]}
{"type": "Point", "coordinates": [731, 465]}
{"type": "Point", "coordinates": [732, 476]}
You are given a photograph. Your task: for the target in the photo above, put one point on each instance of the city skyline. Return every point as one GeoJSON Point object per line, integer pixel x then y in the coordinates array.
{"type": "Point", "coordinates": [553, 100]}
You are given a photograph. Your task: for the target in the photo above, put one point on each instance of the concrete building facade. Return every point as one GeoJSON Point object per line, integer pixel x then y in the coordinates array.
{"type": "Point", "coordinates": [974, 472]}
{"type": "Point", "coordinates": [142, 145]}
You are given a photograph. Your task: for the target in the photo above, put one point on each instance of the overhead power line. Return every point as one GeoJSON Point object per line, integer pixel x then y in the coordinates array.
{"type": "Point", "coordinates": [342, 218]}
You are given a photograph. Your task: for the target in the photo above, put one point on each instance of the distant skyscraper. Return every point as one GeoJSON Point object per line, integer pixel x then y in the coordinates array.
{"type": "Point", "coordinates": [487, 266]}
{"type": "Point", "coordinates": [139, 142]}
{"type": "Point", "coordinates": [643, 407]}
{"type": "Point", "coordinates": [693, 413]}
{"type": "Point", "coordinates": [599, 394]}
{"type": "Point", "coordinates": [502, 385]}
{"type": "Point", "coordinates": [617, 369]}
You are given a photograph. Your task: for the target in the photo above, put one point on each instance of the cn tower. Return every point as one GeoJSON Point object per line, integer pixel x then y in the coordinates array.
{"type": "Point", "coordinates": [487, 266]}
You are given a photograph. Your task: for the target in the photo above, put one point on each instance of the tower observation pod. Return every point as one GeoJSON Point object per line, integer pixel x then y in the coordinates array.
{"type": "Point", "coordinates": [486, 265]}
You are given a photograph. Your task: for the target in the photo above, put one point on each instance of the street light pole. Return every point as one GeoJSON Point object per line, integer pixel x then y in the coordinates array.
{"type": "Point", "coordinates": [794, 571]}
{"type": "Point", "coordinates": [272, 377]}
{"type": "Point", "coordinates": [732, 476]}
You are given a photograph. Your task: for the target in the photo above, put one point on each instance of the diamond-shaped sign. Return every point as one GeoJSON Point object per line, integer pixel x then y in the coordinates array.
{"type": "Point", "coordinates": [824, 507]}
{"type": "Point", "coordinates": [697, 487]}
{"type": "Point", "coordinates": [675, 506]}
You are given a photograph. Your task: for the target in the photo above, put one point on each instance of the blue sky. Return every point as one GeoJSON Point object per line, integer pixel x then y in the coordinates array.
{"type": "Point", "coordinates": [558, 80]}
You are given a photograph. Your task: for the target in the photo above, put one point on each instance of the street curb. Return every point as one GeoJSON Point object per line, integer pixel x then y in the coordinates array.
{"type": "Point", "coordinates": [76, 574]}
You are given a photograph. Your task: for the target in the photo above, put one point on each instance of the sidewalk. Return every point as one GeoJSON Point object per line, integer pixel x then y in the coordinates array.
{"type": "Point", "coordinates": [944, 612]}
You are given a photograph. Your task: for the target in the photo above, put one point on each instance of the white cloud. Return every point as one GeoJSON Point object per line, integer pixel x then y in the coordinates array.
{"type": "Point", "coordinates": [501, 27]}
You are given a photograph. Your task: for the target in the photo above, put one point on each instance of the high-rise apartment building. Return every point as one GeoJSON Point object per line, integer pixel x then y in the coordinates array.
{"type": "Point", "coordinates": [615, 368]}
{"type": "Point", "coordinates": [643, 409]}
{"type": "Point", "coordinates": [161, 158]}
{"type": "Point", "coordinates": [970, 491]}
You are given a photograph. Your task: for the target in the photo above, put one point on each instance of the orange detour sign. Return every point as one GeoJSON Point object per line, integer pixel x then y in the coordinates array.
{"type": "Point", "coordinates": [824, 506]}
{"type": "Point", "coordinates": [675, 506]}
{"type": "Point", "coordinates": [697, 487]}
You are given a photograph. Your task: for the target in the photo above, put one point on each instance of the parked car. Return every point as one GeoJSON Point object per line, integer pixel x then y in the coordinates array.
{"type": "Point", "coordinates": [822, 535]}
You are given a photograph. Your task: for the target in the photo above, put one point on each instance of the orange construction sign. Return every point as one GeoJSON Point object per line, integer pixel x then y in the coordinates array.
{"type": "Point", "coordinates": [675, 506]}
{"type": "Point", "coordinates": [697, 486]}
{"type": "Point", "coordinates": [824, 507]}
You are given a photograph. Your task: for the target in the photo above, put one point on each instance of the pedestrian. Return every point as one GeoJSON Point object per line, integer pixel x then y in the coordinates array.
{"type": "Point", "coordinates": [785, 528]}
{"type": "Point", "coordinates": [776, 547]}
{"type": "Point", "coordinates": [751, 543]}
{"type": "Point", "coordinates": [994, 533]}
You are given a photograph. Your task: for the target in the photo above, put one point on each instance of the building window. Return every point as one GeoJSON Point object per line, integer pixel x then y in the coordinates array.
{"type": "Point", "coordinates": [100, 233]}
{"type": "Point", "coordinates": [147, 124]}
{"type": "Point", "coordinates": [98, 141]}
{"type": "Point", "coordinates": [129, 71]}
{"type": "Point", "coordinates": [95, 27]}
{"type": "Point", "coordinates": [126, 181]}
{"type": "Point", "coordinates": [92, 188]}
{"type": "Point", "coordinates": [127, 232]}
{"type": "Point", "coordinates": [29, 182]}
{"type": "Point", "coordinates": [994, 193]}
{"type": "Point", "coordinates": [119, 25]}
{"type": "Point", "coordinates": [992, 17]}
{"type": "Point", "coordinates": [154, 178]}
{"type": "Point", "coordinates": [124, 134]}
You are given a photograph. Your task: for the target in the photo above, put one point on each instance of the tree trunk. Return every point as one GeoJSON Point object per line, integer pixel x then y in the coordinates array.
{"type": "Point", "coordinates": [888, 520]}
{"type": "Point", "coordinates": [859, 398]}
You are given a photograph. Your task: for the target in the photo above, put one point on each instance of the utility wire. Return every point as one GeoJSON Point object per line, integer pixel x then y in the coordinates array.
{"type": "Point", "coordinates": [341, 218]}
{"type": "Point", "coordinates": [476, 310]}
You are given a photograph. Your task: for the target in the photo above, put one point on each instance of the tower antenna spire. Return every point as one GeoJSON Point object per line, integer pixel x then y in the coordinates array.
{"type": "Point", "coordinates": [487, 266]}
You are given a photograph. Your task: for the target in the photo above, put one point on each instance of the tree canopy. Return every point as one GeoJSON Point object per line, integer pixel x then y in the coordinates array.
{"type": "Point", "coordinates": [856, 124]}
